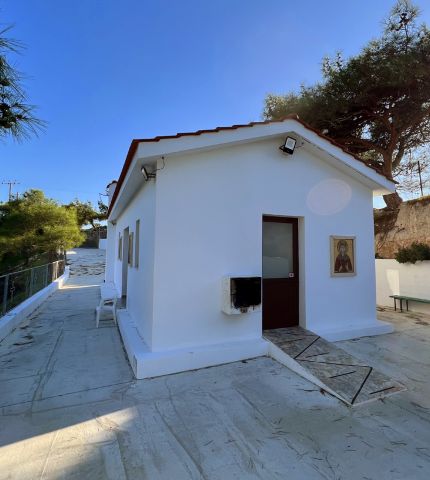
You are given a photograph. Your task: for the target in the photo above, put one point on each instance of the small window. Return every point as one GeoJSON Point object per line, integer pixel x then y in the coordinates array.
{"type": "Point", "coordinates": [136, 247]}
{"type": "Point", "coordinates": [130, 248]}
{"type": "Point", "coordinates": [120, 247]}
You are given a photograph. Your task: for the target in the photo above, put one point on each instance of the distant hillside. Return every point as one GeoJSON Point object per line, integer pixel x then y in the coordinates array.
{"type": "Point", "coordinates": [395, 229]}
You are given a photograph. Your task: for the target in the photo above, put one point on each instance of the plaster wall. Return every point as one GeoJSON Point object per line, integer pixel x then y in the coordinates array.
{"type": "Point", "coordinates": [394, 278]}
{"type": "Point", "coordinates": [209, 224]}
{"type": "Point", "coordinates": [140, 278]}
{"type": "Point", "coordinates": [110, 253]}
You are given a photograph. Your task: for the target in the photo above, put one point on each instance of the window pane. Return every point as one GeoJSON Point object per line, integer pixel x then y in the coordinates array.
{"type": "Point", "coordinates": [277, 249]}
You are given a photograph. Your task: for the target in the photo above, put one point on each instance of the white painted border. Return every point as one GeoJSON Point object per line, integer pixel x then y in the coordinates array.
{"type": "Point", "coordinates": [147, 364]}
{"type": "Point", "coordinates": [17, 315]}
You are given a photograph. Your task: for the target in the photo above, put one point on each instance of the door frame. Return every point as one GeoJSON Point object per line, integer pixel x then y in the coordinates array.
{"type": "Point", "coordinates": [298, 260]}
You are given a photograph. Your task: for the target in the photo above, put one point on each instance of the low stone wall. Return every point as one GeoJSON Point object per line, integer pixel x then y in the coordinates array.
{"type": "Point", "coordinates": [394, 278]}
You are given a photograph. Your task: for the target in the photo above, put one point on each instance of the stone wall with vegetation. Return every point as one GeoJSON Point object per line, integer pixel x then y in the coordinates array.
{"type": "Point", "coordinates": [92, 236]}
{"type": "Point", "coordinates": [400, 228]}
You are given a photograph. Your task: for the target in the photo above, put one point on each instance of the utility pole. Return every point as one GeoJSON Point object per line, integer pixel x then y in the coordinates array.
{"type": "Point", "coordinates": [10, 183]}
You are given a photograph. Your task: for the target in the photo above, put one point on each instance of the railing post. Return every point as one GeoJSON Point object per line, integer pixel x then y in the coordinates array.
{"type": "Point", "coordinates": [46, 274]}
{"type": "Point", "coordinates": [5, 289]}
{"type": "Point", "coordinates": [12, 290]}
{"type": "Point", "coordinates": [31, 282]}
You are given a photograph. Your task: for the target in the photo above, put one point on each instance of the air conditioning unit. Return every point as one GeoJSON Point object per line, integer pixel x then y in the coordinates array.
{"type": "Point", "coordinates": [241, 295]}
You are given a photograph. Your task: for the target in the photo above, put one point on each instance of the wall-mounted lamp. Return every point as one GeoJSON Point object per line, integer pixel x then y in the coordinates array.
{"type": "Point", "coordinates": [146, 175]}
{"type": "Point", "coordinates": [289, 145]}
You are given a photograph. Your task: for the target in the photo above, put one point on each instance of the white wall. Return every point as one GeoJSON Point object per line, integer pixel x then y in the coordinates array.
{"type": "Point", "coordinates": [102, 243]}
{"type": "Point", "coordinates": [209, 209]}
{"type": "Point", "coordinates": [110, 253]}
{"type": "Point", "coordinates": [394, 278]}
{"type": "Point", "coordinates": [140, 280]}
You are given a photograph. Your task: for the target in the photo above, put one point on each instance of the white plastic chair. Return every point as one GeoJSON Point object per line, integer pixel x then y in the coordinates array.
{"type": "Point", "coordinates": [109, 297]}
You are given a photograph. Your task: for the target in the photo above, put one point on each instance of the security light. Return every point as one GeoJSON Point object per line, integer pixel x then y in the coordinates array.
{"type": "Point", "coordinates": [289, 145]}
{"type": "Point", "coordinates": [151, 175]}
{"type": "Point", "coordinates": [144, 173]}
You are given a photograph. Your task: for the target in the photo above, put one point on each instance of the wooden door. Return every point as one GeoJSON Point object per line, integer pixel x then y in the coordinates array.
{"type": "Point", "coordinates": [280, 272]}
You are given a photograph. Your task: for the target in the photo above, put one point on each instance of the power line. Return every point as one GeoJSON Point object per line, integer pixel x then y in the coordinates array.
{"type": "Point", "coordinates": [49, 189]}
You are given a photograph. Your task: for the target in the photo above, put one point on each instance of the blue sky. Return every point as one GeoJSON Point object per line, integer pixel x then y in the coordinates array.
{"type": "Point", "coordinates": [103, 72]}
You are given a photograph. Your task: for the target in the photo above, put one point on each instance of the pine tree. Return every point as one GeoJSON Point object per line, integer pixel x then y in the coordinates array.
{"type": "Point", "coordinates": [16, 115]}
{"type": "Point", "coordinates": [377, 103]}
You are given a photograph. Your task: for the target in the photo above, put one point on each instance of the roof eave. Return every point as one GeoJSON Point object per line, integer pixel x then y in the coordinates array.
{"type": "Point", "coordinates": [146, 150]}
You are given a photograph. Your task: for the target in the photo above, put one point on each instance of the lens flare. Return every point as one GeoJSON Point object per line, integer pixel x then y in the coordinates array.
{"type": "Point", "coordinates": [329, 197]}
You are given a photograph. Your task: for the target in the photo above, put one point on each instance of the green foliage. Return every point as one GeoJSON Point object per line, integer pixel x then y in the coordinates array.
{"type": "Point", "coordinates": [16, 115]}
{"type": "Point", "coordinates": [414, 253]}
{"type": "Point", "coordinates": [35, 225]}
{"type": "Point", "coordinates": [377, 103]}
{"type": "Point", "coordinates": [86, 214]}
{"type": "Point", "coordinates": [103, 209]}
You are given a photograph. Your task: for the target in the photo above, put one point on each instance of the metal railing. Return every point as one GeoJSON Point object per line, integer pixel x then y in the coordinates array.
{"type": "Point", "coordinates": [17, 286]}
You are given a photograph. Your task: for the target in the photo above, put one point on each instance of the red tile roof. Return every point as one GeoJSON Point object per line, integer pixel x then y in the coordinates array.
{"type": "Point", "coordinates": [134, 144]}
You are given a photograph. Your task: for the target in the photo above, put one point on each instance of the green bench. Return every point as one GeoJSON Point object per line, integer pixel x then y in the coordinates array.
{"type": "Point", "coordinates": [407, 299]}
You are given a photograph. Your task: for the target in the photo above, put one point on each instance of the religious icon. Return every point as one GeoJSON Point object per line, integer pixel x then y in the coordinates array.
{"type": "Point", "coordinates": [342, 256]}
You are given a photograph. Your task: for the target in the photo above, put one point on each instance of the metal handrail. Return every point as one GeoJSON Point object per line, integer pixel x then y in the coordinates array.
{"type": "Point", "coordinates": [16, 287]}
{"type": "Point", "coordinates": [30, 268]}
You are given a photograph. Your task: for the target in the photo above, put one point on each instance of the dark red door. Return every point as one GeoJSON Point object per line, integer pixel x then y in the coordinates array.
{"type": "Point", "coordinates": [280, 272]}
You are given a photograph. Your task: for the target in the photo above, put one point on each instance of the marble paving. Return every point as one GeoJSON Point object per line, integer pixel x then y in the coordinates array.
{"type": "Point", "coordinates": [353, 381]}
{"type": "Point", "coordinates": [70, 408]}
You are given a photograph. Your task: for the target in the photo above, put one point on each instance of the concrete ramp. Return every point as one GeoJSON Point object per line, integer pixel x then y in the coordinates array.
{"type": "Point", "coordinates": [328, 366]}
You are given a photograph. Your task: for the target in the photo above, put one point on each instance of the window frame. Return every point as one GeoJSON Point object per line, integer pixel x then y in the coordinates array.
{"type": "Point", "coordinates": [136, 241]}
{"type": "Point", "coordinates": [119, 247]}
{"type": "Point", "coordinates": [130, 248]}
